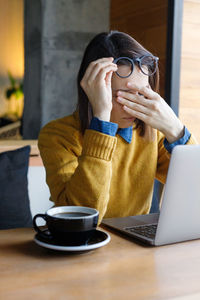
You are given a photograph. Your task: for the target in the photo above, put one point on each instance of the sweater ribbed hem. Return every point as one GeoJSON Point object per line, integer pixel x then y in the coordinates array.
{"type": "Point", "coordinates": [98, 145]}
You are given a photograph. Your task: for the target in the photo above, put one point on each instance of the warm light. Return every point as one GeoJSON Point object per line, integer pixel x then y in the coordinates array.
{"type": "Point", "coordinates": [11, 46]}
{"type": "Point", "coordinates": [11, 38]}
{"type": "Point", "coordinates": [189, 109]}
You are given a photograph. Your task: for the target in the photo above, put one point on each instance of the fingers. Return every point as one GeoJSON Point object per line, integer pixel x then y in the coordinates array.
{"type": "Point", "coordinates": [102, 74]}
{"type": "Point", "coordinates": [145, 91]}
{"type": "Point", "coordinates": [137, 114]}
{"type": "Point", "coordinates": [108, 77]}
{"type": "Point", "coordinates": [145, 105]}
{"type": "Point", "coordinates": [95, 66]}
{"type": "Point", "coordinates": [134, 97]}
{"type": "Point", "coordinates": [134, 106]}
{"type": "Point", "coordinates": [152, 103]}
{"type": "Point", "coordinates": [101, 68]}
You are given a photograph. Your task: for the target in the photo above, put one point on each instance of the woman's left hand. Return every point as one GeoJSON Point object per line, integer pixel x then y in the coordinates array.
{"type": "Point", "coordinates": [149, 107]}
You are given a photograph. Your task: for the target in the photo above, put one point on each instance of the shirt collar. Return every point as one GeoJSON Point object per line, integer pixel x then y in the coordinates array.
{"type": "Point", "coordinates": [126, 133]}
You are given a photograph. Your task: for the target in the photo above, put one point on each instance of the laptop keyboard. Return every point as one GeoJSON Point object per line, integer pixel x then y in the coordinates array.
{"type": "Point", "coordinates": [148, 231]}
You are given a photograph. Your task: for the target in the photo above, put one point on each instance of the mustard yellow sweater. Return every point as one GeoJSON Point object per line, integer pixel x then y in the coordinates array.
{"type": "Point", "coordinates": [102, 171]}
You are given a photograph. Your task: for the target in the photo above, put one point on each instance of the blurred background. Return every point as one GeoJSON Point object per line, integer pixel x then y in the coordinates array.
{"type": "Point", "coordinates": [42, 43]}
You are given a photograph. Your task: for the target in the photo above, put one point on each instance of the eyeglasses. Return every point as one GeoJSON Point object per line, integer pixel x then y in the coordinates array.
{"type": "Point", "coordinates": [148, 64]}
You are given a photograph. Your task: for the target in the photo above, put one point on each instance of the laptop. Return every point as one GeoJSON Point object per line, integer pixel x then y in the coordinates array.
{"type": "Point", "coordinates": [179, 217]}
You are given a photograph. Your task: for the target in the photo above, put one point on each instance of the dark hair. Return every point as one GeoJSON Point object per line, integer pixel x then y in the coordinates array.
{"type": "Point", "coordinates": [109, 44]}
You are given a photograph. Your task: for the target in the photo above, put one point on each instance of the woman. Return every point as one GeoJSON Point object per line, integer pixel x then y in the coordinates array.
{"type": "Point", "coordinates": [108, 153]}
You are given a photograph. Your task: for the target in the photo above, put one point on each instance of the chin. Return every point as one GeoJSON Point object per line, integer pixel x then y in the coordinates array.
{"type": "Point", "coordinates": [126, 122]}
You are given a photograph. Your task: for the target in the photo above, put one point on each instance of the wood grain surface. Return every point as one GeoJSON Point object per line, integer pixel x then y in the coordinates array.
{"type": "Point", "coordinates": [122, 269]}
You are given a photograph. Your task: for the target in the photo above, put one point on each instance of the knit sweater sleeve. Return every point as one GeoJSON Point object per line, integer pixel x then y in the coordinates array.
{"type": "Point", "coordinates": [78, 172]}
{"type": "Point", "coordinates": [164, 156]}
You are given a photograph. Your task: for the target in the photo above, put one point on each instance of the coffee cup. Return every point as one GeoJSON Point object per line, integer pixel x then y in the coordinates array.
{"type": "Point", "coordinates": [73, 225]}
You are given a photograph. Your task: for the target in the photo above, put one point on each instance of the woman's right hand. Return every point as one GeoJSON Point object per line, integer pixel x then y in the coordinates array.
{"type": "Point", "coordinates": [96, 83]}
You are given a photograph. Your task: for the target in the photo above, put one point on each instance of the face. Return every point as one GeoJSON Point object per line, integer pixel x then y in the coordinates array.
{"type": "Point", "coordinates": [118, 115]}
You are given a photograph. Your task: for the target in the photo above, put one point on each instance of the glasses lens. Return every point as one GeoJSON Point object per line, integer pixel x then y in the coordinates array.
{"type": "Point", "coordinates": [148, 65]}
{"type": "Point", "coordinates": [125, 67]}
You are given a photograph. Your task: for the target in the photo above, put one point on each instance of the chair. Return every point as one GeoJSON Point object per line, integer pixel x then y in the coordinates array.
{"type": "Point", "coordinates": [38, 191]}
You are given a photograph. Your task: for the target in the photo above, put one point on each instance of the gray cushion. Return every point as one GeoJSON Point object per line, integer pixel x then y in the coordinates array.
{"type": "Point", "coordinates": [14, 200]}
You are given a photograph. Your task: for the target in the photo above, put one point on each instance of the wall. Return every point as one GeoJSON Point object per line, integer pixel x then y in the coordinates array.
{"type": "Point", "coordinates": [146, 21]}
{"type": "Point", "coordinates": [189, 110]}
{"type": "Point", "coordinates": [12, 45]}
{"type": "Point", "coordinates": [33, 66]}
{"type": "Point", "coordinates": [66, 28]}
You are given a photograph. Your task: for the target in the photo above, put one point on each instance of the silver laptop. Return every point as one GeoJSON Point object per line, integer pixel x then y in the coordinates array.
{"type": "Point", "coordinates": [179, 218]}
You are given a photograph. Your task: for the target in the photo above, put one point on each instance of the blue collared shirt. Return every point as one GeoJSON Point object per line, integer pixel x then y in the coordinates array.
{"type": "Point", "coordinates": [127, 133]}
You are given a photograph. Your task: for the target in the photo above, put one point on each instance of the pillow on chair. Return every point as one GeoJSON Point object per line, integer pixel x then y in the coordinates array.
{"type": "Point", "coordinates": [14, 200]}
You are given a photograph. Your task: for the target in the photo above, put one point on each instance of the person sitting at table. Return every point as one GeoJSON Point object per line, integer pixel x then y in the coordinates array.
{"type": "Point", "coordinates": [107, 154]}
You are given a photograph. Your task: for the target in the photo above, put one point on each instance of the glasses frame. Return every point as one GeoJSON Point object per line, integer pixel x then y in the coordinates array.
{"type": "Point", "coordinates": [138, 60]}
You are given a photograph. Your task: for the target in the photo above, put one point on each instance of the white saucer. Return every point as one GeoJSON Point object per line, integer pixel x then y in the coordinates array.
{"type": "Point", "coordinates": [100, 239]}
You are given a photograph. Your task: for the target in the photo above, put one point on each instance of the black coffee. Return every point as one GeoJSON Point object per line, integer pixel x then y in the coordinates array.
{"type": "Point", "coordinates": [66, 215]}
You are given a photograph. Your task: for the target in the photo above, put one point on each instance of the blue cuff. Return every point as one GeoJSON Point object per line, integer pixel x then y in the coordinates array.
{"type": "Point", "coordinates": [181, 141]}
{"type": "Point", "coordinates": [104, 126]}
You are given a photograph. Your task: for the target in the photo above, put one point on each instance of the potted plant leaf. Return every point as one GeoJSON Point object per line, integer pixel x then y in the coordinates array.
{"type": "Point", "coordinates": [14, 94]}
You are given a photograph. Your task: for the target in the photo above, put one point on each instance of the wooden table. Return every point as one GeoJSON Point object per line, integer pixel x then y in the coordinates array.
{"type": "Point", "coordinates": [120, 270]}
